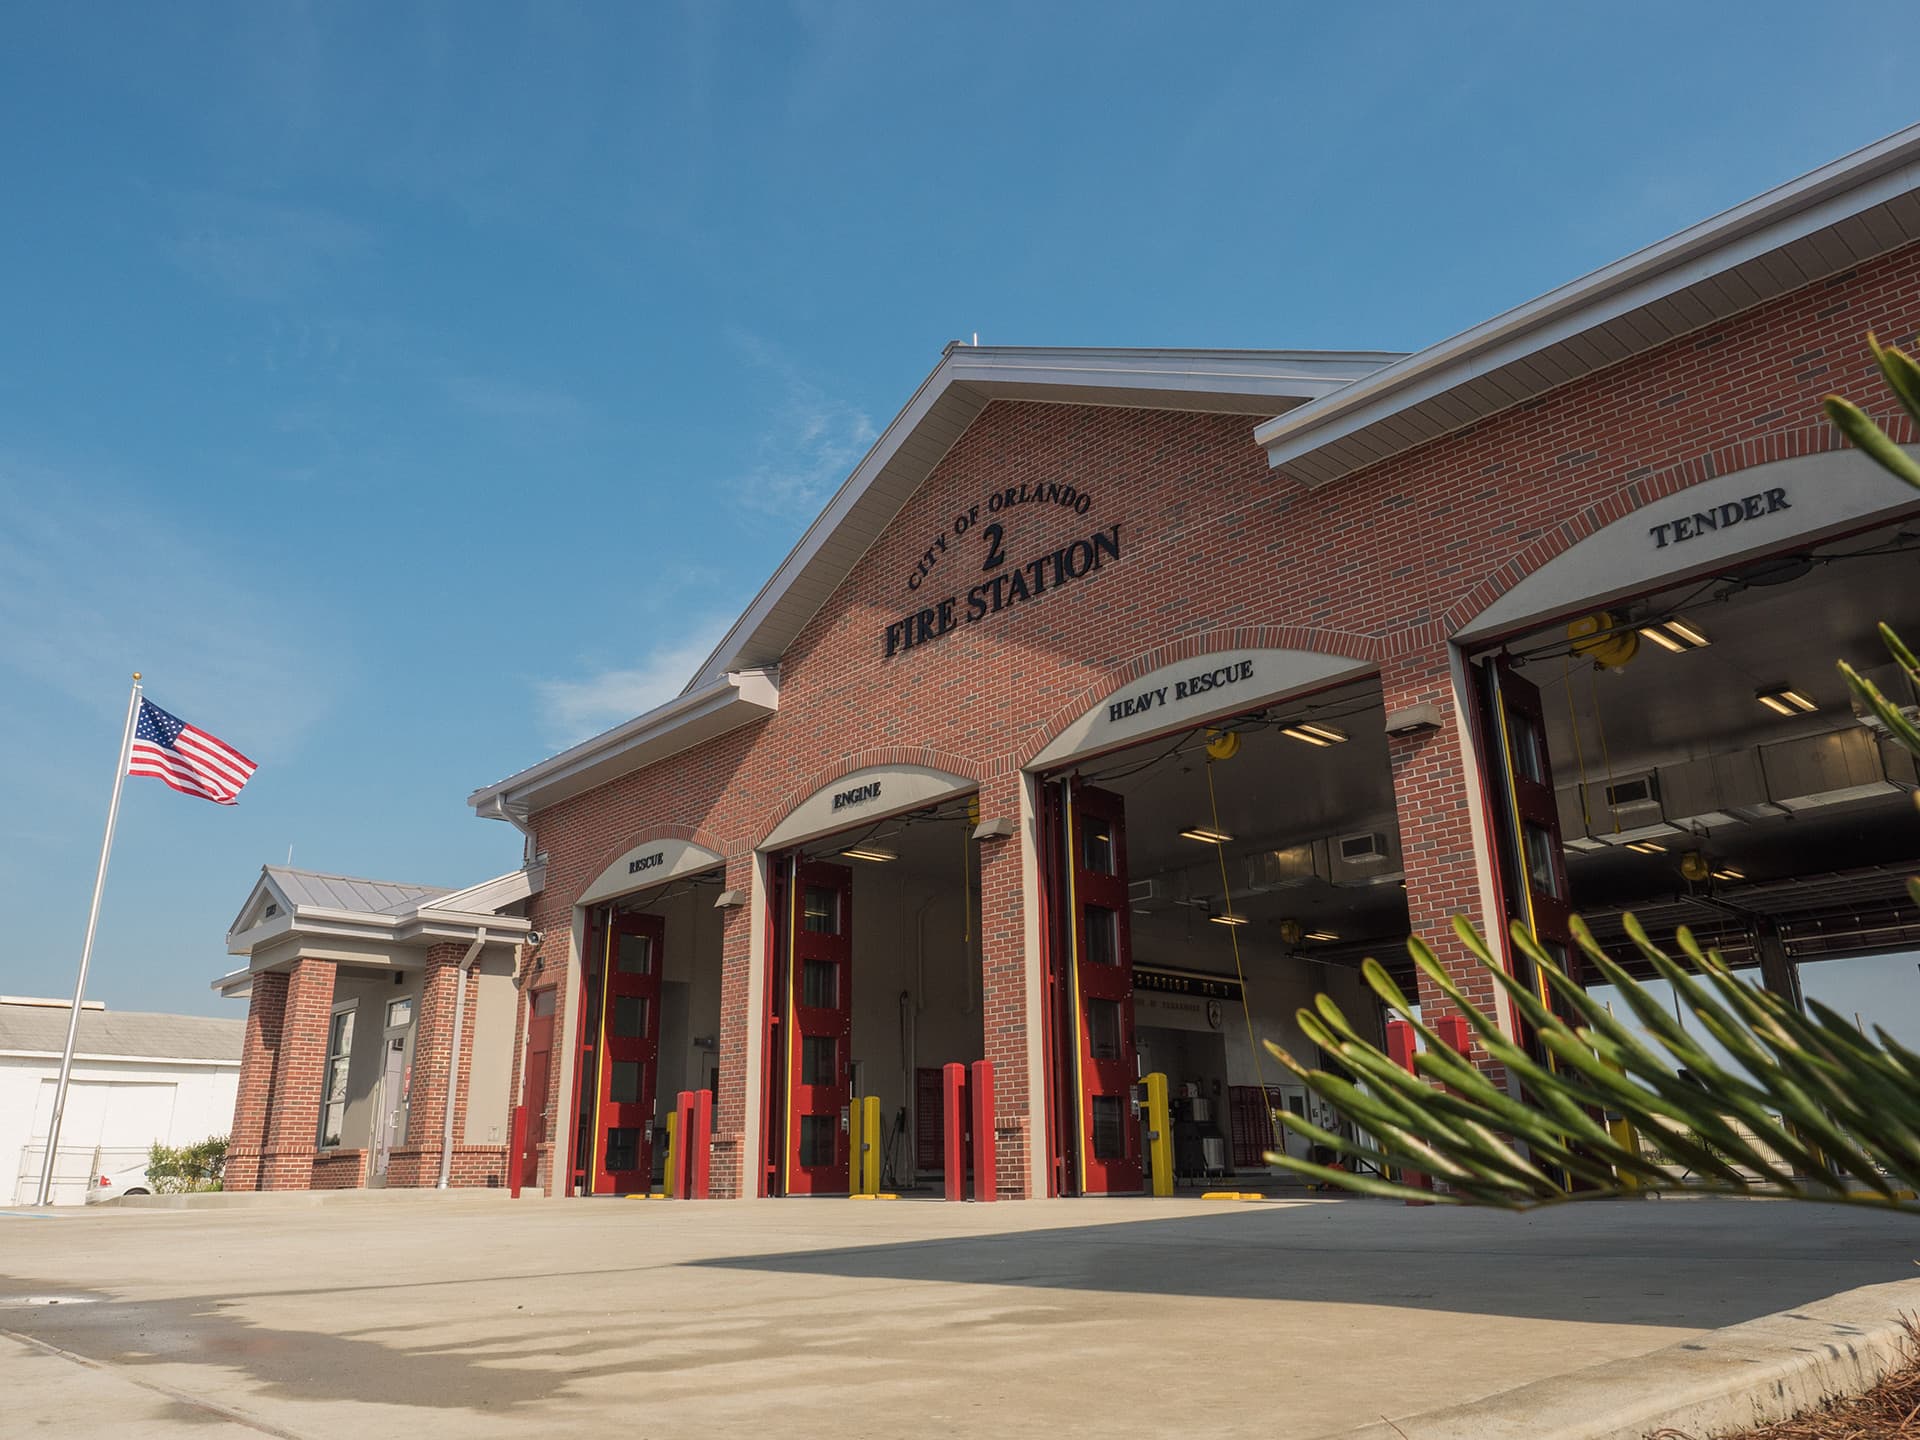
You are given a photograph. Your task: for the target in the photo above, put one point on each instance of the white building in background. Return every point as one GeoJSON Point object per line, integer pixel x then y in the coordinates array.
{"type": "Point", "coordinates": [137, 1078]}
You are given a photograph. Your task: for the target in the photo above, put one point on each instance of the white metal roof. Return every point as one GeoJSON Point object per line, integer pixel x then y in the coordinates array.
{"type": "Point", "coordinates": [1851, 210]}
{"type": "Point", "coordinates": [286, 902]}
{"type": "Point", "coordinates": [42, 1030]}
{"type": "Point", "coordinates": [348, 892]}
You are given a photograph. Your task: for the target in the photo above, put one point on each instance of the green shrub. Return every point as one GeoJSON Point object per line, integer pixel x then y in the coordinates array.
{"type": "Point", "coordinates": [179, 1169]}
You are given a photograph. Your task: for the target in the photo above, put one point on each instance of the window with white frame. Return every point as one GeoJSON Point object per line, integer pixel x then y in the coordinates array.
{"type": "Point", "coordinates": [333, 1108]}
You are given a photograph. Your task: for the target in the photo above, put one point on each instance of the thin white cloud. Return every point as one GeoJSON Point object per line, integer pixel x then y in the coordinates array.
{"type": "Point", "coordinates": [261, 252]}
{"type": "Point", "coordinates": [95, 584]}
{"type": "Point", "coordinates": [572, 710]}
{"type": "Point", "coordinates": [811, 442]}
{"type": "Point", "coordinates": [508, 399]}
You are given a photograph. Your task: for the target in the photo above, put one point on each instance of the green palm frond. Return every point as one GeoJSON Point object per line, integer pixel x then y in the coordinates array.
{"type": "Point", "coordinates": [1815, 1111]}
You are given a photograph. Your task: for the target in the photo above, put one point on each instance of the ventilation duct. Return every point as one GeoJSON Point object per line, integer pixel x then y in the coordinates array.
{"type": "Point", "coordinates": [1283, 869]}
{"type": "Point", "coordinates": [1717, 790]}
{"type": "Point", "coordinates": [1832, 769]}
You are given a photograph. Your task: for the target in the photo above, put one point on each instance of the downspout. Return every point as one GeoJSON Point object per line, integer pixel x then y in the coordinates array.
{"type": "Point", "coordinates": [453, 1056]}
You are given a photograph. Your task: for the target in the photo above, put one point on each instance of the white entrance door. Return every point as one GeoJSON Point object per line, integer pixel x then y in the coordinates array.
{"type": "Point", "coordinates": [390, 1115]}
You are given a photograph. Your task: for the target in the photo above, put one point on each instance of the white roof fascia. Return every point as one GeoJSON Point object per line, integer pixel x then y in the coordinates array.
{"type": "Point", "coordinates": [266, 883]}
{"type": "Point", "coordinates": [1252, 382]}
{"type": "Point", "coordinates": [1848, 186]}
{"type": "Point", "coordinates": [102, 1059]}
{"type": "Point", "coordinates": [234, 983]}
{"type": "Point", "coordinates": [429, 922]}
{"type": "Point", "coordinates": [733, 700]}
{"type": "Point", "coordinates": [491, 896]}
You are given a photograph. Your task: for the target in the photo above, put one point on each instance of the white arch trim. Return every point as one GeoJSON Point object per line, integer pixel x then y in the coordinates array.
{"type": "Point", "coordinates": [862, 796]}
{"type": "Point", "coordinates": [1182, 694]}
{"type": "Point", "coordinates": [641, 867]}
{"type": "Point", "coordinates": [1719, 522]}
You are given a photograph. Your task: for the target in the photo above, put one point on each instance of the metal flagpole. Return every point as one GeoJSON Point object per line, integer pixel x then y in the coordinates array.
{"type": "Point", "coordinates": [86, 950]}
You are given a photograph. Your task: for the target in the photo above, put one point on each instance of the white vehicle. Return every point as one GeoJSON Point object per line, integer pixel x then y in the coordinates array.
{"type": "Point", "coordinates": [131, 1181]}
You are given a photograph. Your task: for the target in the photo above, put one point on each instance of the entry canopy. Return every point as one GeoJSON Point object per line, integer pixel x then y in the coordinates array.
{"type": "Point", "coordinates": [647, 864]}
{"type": "Point", "coordinates": [1188, 692]}
{"type": "Point", "coordinates": [1713, 525]}
{"type": "Point", "coordinates": [863, 796]}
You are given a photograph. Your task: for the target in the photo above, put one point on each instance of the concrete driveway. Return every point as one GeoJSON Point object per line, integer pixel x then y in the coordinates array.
{"type": "Point", "coordinates": [469, 1315]}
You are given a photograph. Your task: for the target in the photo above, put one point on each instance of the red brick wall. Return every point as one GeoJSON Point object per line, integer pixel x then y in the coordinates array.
{"type": "Point", "coordinates": [418, 1162]}
{"type": "Point", "coordinates": [253, 1099]}
{"type": "Point", "coordinates": [293, 1119]}
{"type": "Point", "coordinates": [339, 1169]}
{"type": "Point", "coordinates": [1218, 552]}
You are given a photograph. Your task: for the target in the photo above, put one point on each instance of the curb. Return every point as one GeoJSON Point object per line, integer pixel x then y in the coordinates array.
{"type": "Point", "coordinates": [1727, 1380]}
{"type": "Point", "coordinates": [296, 1199]}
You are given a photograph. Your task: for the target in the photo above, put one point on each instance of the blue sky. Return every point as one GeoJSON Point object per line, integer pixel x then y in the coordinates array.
{"type": "Point", "coordinates": [412, 390]}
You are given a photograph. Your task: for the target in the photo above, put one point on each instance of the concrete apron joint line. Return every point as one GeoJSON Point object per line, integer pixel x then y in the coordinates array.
{"type": "Point", "coordinates": [210, 1409]}
{"type": "Point", "coordinates": [1736, 1378]}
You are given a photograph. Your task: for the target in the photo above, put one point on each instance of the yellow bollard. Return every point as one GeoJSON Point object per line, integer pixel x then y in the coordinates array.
{"type": "Point", "coordinates": [854, 1117]}
{"type": "Point", "coordinates": [870, 1150]}
{"type": "Point", "coordinates": [673, 1154]}
{"type": "Point", "coordinates": [1159, 1134]}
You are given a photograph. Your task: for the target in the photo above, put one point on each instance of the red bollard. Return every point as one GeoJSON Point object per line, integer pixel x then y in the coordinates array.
{"type": "Point", "coordinates": [1401, 1048]}
{"type": "Point", "coordinates": [683, 1136]}
{"type": "Point", "coordinates": [984, 1176]}
{"type": "Point", "coordinates": [953, 1092]}
{"type": "Point", "coordinates": [517, 1151]}
{"type": "Point", "coordinates": [700, 1157]}
{"type": "Point", "coordinates": [1453, 1032]}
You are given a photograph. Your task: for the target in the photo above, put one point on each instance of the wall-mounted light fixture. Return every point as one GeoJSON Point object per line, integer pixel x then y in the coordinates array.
{"type": "Point", "coordinates": [730, 899]}
{"type": "Point", "coordinates": [1784, 700]}
{"type": "Point", "coordinates": [998, 828]}
{"type": "Point", "coordinates": [1414, 719]}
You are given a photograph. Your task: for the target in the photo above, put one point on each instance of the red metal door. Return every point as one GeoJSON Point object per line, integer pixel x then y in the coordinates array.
{"type": "Point", "coordinates": [820, 1030]}
{"type": "Point", "coordinates": [1110, 1160]}
{"type": "Point", "coordinates": [629, 1049]}
{"type": "Point", "coordinates": [540, 1010]}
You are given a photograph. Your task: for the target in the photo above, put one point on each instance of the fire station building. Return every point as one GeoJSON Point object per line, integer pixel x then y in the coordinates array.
{"type": "Point", "coordinates": [1121, 701]}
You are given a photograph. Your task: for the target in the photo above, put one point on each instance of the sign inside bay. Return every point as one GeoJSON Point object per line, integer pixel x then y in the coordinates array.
{"type": "Point", "coordinates": [1016, 585]}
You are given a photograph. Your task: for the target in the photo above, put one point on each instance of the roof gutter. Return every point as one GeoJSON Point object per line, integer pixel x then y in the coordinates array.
{"type": "Point", "coordinates": [1857, 182]}
{"type": "Point", "coordinates": [735, 699]}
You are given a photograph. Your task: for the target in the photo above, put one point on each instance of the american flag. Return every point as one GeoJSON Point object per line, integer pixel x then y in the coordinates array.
{"type": "Point", "coordinates": [191, 761]}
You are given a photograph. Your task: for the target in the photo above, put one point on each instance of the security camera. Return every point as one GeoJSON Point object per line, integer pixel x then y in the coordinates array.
{"type": "Point", "coordinates": [534, 937]}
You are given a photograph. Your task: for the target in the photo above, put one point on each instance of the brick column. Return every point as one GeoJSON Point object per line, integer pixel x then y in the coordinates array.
{"type": "Point", "coordinates": [417, 1163]}
{"type": "Point", "coordinates": [1435, 796]}
{"type": "Point", "coordinates": [1003, 987]}
{"type": "Point", "coordinates": [253, 1102]}
{"type": "Point", "coordinates": [734, 1173]}
{"type": "Point", "coordinates": [293, 1121]}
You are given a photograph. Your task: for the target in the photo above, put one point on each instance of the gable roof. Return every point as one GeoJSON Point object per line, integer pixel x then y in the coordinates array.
{"type": "Point", "coordinates": [312, 902]}
{"type": "Point", "coordinates": [41, 1029]}
{"type": "Point", "coordinates": [1851, 210]}
{"type": "Point", "coordinates": [348, 892]}
{"type": "Point", "coordinates": [1235, 382]}
{"type": "Point", "coordinates": [738, 682]}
